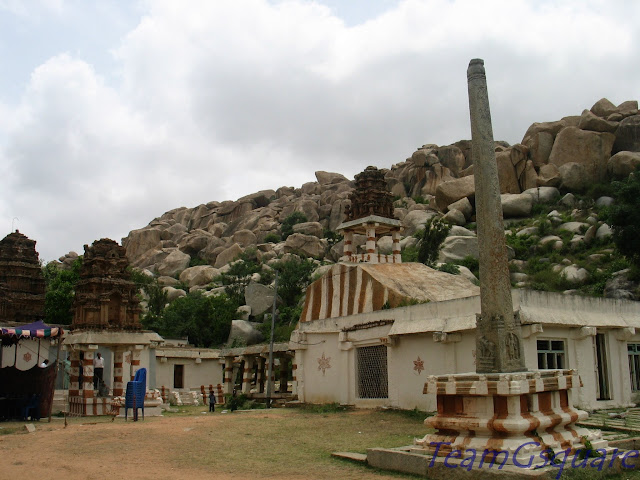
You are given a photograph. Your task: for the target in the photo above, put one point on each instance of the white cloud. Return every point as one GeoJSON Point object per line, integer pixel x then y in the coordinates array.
{"type": "Point", "coordinates": [215, 100]}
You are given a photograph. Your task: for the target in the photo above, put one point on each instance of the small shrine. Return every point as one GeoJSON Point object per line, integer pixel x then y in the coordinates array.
{"type": "Point", "coordinates": [370, 214]}
{"type": "Point", "coordinates": [106, 320]}
{"type": "Point", "coordinates": [22, 285]}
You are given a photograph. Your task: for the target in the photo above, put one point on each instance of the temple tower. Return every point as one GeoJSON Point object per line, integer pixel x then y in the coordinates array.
{"type": "Point", "coordinates": [22, 285]}
{"type": "Point", "coordinates": [370, 214]}
{"type": "Point", "coordinates": [105, 295]}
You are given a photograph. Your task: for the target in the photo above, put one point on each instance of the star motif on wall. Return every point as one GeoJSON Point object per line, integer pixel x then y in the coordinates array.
{"type": "Point", "coordinates": [418, 365]}
{"type": "Point", "coordinates": [27, 357]}
{"type": "Point", "coordinates": [323, 363]}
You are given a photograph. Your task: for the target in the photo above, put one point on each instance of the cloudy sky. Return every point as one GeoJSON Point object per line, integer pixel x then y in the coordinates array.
{"type": "Point", "coordinates": [113, 112]}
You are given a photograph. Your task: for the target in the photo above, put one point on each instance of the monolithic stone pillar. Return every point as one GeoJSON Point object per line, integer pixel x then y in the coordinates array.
{"type": "Point", "coordinates": [498, 335]}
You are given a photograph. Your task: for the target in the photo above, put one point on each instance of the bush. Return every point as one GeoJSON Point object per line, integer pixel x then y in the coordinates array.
{"type": "Point", "coordinates": [287, 225]}
{"type": "Point", "coordinates": [451, 268]}
{"type": "Point", "coordinates": [272, 238]}
{"type": "Point", "coordinates": [196, 262]}
{"type": "Point", "coordinates": [431, 239]}
{"type": "Point", "coordinates": [472, 263]}
{"type": "Point", "coordinates": [410, 254]}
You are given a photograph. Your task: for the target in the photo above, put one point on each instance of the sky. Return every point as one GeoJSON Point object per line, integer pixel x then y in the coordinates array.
{"type": "Point", "coordinates": [113, 112]}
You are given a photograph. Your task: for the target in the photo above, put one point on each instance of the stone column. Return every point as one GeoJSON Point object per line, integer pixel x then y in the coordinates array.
{"type": "Point", "coordinates": [371, 244]}
{"type": "Point", "coordinates": [247, 374]}
{"type": "Point", "coordinates": [74, 373]}
{"type": "Point", "coordinates": [261, 375]}
{"type": "Point", "coordinates": [348, 243]}
{"type": "Point", "coordinates": [87, 378]}
{"type": "Point", "coordinates": [135, 360]}
{"type": "Point", "coordinates": [228, 375]}
{"type": "Point", "coordinates": [284, 374]}
{"type": "Point", "coordinates": [498, 335]}
{"type": "Point", "coordinates": [118, 372]}
{"type": "Point", "coordinates": [395, 248]}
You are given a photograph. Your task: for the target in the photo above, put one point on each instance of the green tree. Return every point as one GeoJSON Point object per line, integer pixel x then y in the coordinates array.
{"type": "Point", "coordinates": [157, 297]}
{"type": "Point", "coordinates": [430, 240]}
{"type": "Point", "coordinates": [239, 275]}
{"type": "Point", "coordinates": [293, 278]}
{"type": "Point", "coordinates": [60, 291]}
{"type": "Point", "coordinates": [624, 217]}
{"type": "Point", "coordinates": [205, 321]}
{"type": "Point", "coordinates": [287, 225]}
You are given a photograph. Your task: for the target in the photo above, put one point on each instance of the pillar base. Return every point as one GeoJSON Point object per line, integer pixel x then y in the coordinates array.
{"type": "Point", "coordinates": [523, 414]}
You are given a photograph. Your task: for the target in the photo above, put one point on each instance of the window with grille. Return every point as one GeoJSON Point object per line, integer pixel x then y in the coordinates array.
{"type": "Point", "coordinates": [372, 372]}
{"type": "Point", "coordinates": [633, 349]}
{"type": "Point", "coordinates": [551, 354]}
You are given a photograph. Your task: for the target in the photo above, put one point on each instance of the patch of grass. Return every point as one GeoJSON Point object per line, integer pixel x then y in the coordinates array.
{"type": "Point", "coordinates": [325, 408]}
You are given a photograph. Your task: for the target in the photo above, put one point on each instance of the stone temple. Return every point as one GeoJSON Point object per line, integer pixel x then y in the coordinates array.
{"type": "Point", "coordinates": [22, 286]}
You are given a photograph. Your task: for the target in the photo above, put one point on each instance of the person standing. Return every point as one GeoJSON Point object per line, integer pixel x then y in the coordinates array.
{"type": "Point", "coordinates": [212, 401]}
{"type": "Point", "coordinates": [98, 370]}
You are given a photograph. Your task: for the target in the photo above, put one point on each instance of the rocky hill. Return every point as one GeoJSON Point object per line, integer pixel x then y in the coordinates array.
{"type": "Point", "coordinates": [545, 180]}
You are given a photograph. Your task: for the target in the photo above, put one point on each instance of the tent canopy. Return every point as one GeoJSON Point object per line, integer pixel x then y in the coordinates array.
{"type": "Point", "coordinates": [39, 329]}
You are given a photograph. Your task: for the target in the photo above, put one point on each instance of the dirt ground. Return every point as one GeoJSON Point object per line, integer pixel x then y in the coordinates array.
{"type": "Point", "coordinates": [243, 445]}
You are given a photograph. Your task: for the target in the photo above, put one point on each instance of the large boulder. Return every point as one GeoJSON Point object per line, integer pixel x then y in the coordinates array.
{"type": "Point", "coordinates": [452, 158]}
{"type": "Point", "coordinates": [454, 190]}
{"type": "Point", "coordinates": [436, 175]}
{"type": "Point", "coordinates": [259, 297]}
{"type": "Point", "coordinates": [227, 255]}
{"type": "Point", "coordinates": [328, 178]}
{"type": "Point", "coordinates": [244, 238]}
{"type": "Point", "coordinates": [622, 164]}
{"type": "Point", "coordinates": [140, 241]}
{"type": "Point", "coordinates": [591, 150]}
{"type": "Point", "coordinates": [305, 245]}
{"type": "Point", "coordinates": [551, 128]}
{"type": "Point", "coordinates": [574, 177]}
{"type": "Point", "coordinates": [463, 206]}
{"type": "Point", "coordinates": [603, 108]}
{"type": "Point", "coordinates": [549, 176]}
{"type": "Point", "coordinates": [199, 275]}
{"type": "Point", "coordinates": [516, 205]}
{"type": "Point", "coordinates": [540, 145]}
{"type": "Point", "coordinates": [195, 241]}
{"type": "Point", "coordinates": [507, 173]}
{"type": "Point", "coordinates": [309, 228]}
{"type": "Point", "coordinates": [543, 194]}
{"type": "Point", "coordinates": [589, 121]}
{"type": "Point", "coordinates": [173, 264]}
{"type": "Point", "coordinates": [456, 248]}
{"type": "Point", "coordinates": [244, 333]}
{"type": "Point", "coordinates": [174, 293]}
{"type": "Point", "coordinates": [628, 135]}
{"type": "Point", "coordinates": [415, 220]}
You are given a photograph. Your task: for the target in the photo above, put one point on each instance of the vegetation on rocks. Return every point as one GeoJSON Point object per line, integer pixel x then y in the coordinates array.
{"type": "Point", "coordinates": [60, 291]}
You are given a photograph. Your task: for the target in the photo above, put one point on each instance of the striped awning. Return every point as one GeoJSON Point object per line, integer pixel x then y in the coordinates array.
{"type": "Point", "coordinates": [37, 329]}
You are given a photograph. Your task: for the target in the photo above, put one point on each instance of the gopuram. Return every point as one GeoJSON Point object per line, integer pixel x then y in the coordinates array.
{"type": "Point", "coordinates": [501, 407]}
{"type": "Point", "coordinates": [22, 285]}
{"type": "Point", "coordinates": [106, 319]}
{"type": "Point", "coordinates": [370, 214]}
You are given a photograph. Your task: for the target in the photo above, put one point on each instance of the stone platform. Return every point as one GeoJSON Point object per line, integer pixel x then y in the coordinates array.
{"type": "Point", "coordinates": [518, 415]}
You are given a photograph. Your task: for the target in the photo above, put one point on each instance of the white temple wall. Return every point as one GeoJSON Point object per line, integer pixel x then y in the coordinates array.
{"type": "Point", "coordinates": [208, 372]}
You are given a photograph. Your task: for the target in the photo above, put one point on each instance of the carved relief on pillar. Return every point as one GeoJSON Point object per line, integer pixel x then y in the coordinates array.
{"type": "Point", "coordinates": [106, 298]}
